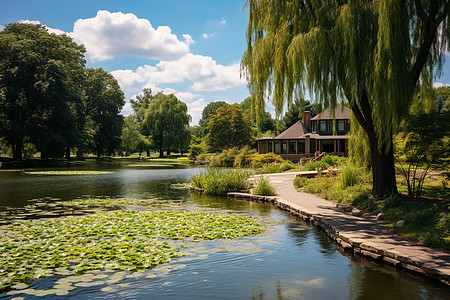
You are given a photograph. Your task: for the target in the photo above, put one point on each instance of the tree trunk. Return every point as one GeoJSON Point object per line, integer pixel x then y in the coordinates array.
{"type": "Point", "coordinates": [67, 153]}
{"type": "Point", "coordinates": [17, 150]}
{"type": "Point", "coordinates": [383, 170]}
{"type": "Point", "coordinates": [161, 152]}
{"type": "Point", "coordinates": [168, 152]}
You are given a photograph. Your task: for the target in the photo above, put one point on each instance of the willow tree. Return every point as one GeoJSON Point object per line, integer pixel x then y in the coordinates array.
{"type": "Point", "coordinates": [167, 121]}
{"type": "Point", "coordinates": [372, 55]}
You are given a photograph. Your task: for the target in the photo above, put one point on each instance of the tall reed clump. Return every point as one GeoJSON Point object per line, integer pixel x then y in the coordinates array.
{"type": "Point", "coordinates": [351, 176]}
{"type": "Point", "coordinates": [264, 188]}
{"type": "Point", "coordinates": [220, 182]}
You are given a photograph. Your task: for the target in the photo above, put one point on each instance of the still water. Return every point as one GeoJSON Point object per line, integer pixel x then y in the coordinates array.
{"type": "Point", "coordinates": [290, 260]}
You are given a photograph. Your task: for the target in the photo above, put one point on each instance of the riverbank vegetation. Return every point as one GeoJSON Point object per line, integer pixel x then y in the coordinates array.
{"type": "Point", "coordinates": [426, 219]}
{"type": "Point", "coordinates": [220, 182]}
{"type": "Point", "coordinates": [264, 187]}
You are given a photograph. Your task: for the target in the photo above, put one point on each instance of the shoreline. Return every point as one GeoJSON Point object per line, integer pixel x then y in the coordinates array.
{"type": "Point", "coordinates": [363, 236]}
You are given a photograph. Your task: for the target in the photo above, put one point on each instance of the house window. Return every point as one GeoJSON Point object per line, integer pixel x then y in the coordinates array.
{"type": "Point", "coordinates": [312, 146]}
{"type": "Point", "coordinates": [291, 147]}
{"type": "Point", "coordinates": [323, 126]}
{"type": "Point", "coordinates": [341, 125]}
{"type": "Point", "coordinates": [270, 146]}
{"type": "Point", "coordinates": [277, 147]}
{"type": "Point", "coordinates": [301, 147]}
{"type": "Point", "coordinates": [331, 126]}
{"type": "Point", "coordinates": [314, 125]}
{"type": "Point", "coordinates": [284, 148]}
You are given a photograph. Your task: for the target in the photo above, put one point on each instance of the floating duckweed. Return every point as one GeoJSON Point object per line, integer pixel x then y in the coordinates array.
{"type": "Point", "coordinates": [68, 172]}
{"type": "Point", "coordinates": [115, 240]}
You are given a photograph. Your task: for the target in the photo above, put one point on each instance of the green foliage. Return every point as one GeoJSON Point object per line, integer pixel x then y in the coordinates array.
{"type": "Point", "coordinates": [41, 78]}
{"type": "Point", "coordinates": [224, 159]}
{"type": "Point", "coordinates": [166, 120]}
{"type": "Point", "coordinates": [264, 188]}
{"type": "Point", "coordinates": [442, 98]}
{"type": "Point", "coordinates": [295, 111]}
{"type": "Point", "coordinates": [228, 128]}
{"type": "Point", "coordinates": [132, 138]}
{"type": "Point", "coordinates": [266, 122]}
{"type": "Point", "coordinates": [259, 160]}
{"type": "Point", "coordinates": [104, 101]}
{"type": "Point", "coordinates": [244, 158]}
{"type": "Point", "coordinates": [220, 182]}
{"type": "Point", "coordinates": [277, 167]}
{"type": "Point", "coordinates": [118, 240]}
{"type": "Point", "coordinates": [424, 145]}
{"type": "Point", "coordinates": [207, 112]}
{"type": "Point", "coordinates": [372, 56]}
{"type": "Point", "coordinates": [426, 220]}
{"type": "Point", "coordinates": [351, 176]}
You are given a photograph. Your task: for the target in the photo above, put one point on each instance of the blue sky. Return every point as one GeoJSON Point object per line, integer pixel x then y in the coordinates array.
{"type": "Point", "coordinates": [189, 48]}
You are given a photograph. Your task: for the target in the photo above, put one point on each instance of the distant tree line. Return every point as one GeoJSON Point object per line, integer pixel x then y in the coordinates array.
{"type": "Point", "coordinates": [49, 100]}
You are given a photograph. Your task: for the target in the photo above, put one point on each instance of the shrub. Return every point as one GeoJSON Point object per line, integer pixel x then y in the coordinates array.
{"type": "Point", "coordinates": [264, 188]}
{"type": "Point", "coordinates": [334, 160]}
{"type": "Point", "coordinates": [224, 159]}
{"type": "Point", "coordinates": [300, 182]}
{"type": "Point", "coordinates": [314, 166]}
{"type": "Point", "coordinates": [195, 151]}
{"type": "Point", "coordinates": [220, 182]}
{"type": "Point", "coordinates": [259, 160]}
{"type": "Point", "coordinates": [277, 167]}
{"type": "Point", "coordinates": [244, 158]}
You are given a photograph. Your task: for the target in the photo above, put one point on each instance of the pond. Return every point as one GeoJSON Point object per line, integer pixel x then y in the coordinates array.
{"type": "Point", "coordinates": [289, 260]}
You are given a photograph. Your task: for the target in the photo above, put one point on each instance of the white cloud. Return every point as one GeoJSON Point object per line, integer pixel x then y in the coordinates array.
{"type": "Point", "coordinates": [223, 21]}
{"type": "Point", "coordinates": [127, 110]}
{"type": "Point", "coordinates": [109, 35]}
{"type": "Point", "coordinates": [188, 39]}
{"type": "Point", "coordinates": [186, 96]}
{"type": "Point", "coordinates": [51, 30]}
{"type": "Point", "coordinates": [195, 109]}
{"type": "Point", "coordinates": [438, 84]}
{"type": "Point", "coordinates": [204, 73]}
{"type": "Point", "coordinates": [1, 27]}
{"type": "Point", "coordinates": [207, 36]}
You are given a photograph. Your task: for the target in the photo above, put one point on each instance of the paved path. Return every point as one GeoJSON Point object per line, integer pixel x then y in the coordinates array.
{"type": "Point", "coordinates": [365, 234]}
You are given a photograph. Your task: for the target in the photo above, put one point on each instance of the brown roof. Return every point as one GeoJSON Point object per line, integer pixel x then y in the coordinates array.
{"type": "Point", "coordinates": [295, 131]}
{"type": "Point", "coordinates": [340, 112]}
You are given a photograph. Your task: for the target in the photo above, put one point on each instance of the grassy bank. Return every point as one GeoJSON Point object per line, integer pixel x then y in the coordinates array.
{"type": "Point", "coordinates": [427, 220]}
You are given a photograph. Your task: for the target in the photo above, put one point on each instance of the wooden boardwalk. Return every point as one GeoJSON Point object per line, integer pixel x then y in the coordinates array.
{"type": "Point", "coordinates": [364, 235]}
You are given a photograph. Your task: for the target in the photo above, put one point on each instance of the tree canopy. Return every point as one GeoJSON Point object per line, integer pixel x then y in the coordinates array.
{"type": "Point", "coordinates": [167, 121]}
{"type": "Point", "coordinates": [41, 86]}
{"type": "Point", "coordinates": [208, 111]}
{"type": "Point", "coordinates": [229, 128]}
{"type": "Point", "coordinates": [266, 122]}
{"type": "Point", "coordinates": [369, 54]}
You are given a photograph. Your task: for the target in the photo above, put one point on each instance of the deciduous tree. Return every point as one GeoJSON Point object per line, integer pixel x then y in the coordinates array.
{"type": "Point", "coordinates": [167, 122]}
{"type": "Point", "coordinates": [40, 83]}
{"type": "Point", "coordinates": [104, 101]}
{"type": "Point", "coordinates": [229, 128]}
{"type": "Point", "coordinates": [369, 54]}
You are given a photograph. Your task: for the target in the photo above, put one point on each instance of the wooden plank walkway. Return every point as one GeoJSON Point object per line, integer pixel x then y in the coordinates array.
{"type": "Point", "coordinates": [363, 235]}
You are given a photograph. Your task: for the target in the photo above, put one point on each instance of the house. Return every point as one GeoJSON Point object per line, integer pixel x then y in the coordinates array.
{"type": "Point", "coordinates": [312, 136]}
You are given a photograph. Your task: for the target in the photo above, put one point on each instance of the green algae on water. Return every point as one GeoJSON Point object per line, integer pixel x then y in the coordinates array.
{"type": "Point", "coordinates": [68, 172]}
{"type": "Point", "coordinates": [115, 240]}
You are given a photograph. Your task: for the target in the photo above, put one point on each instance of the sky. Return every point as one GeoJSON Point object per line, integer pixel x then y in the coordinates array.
{"type": "Point", "coordinates": [189, 48]}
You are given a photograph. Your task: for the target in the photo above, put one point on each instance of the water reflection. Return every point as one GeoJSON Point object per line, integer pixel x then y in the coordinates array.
{"type": "Point", "coordinates": [291, 260]}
